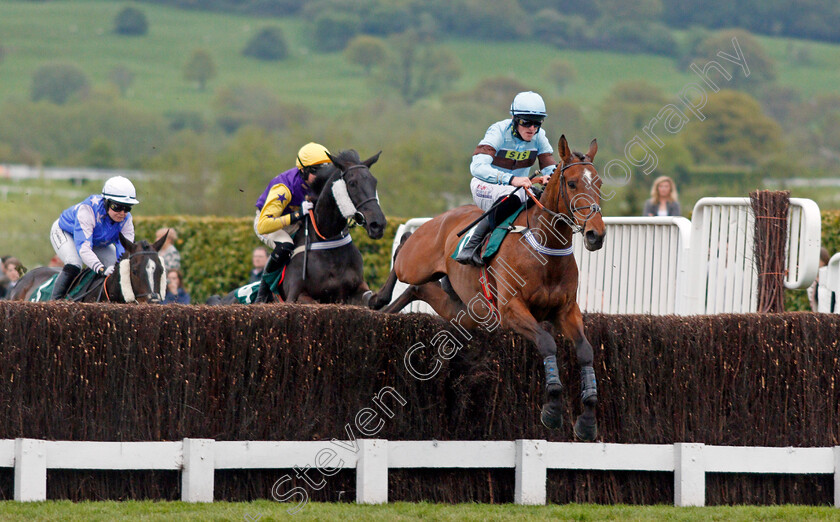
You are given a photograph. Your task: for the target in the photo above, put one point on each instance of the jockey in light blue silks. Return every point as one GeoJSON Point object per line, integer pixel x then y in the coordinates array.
{"type": "Point", "coordinates": [89, 232]}
{"type": "Point", "coordinates": [500, 164]}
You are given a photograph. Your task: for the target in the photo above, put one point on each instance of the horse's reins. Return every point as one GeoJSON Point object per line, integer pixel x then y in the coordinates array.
{"type": "Point", "coordinates": [593, 209]}
{"type": "Point", "coordinates": [359, 218]}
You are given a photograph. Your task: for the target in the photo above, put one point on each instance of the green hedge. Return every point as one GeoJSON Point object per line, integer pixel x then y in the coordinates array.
{"type": "Point", "coordinates": [216, 251]}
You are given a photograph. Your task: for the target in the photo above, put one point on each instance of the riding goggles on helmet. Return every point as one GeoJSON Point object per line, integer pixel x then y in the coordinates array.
{"type": "Point", "coordinates": [528, 122]}
{"type": "Point", "coordinates": [119, 207]}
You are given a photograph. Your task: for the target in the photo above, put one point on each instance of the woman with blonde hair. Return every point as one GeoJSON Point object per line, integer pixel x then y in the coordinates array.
{"type": "Point", "coordinates": [663, 198]}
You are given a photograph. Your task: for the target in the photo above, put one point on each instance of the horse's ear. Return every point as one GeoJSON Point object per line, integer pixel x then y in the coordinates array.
{"type": "Point", "coordinates": [157, 245]}
{"type": "Point", "coordinates": [335, 162]}
{"type": "Point", "coordinates": [371, 160]}
{"type": "Point", "coordinates": [563, 149]}
{"type": "Point", "coordinates": [127, 245]}
{"type": "Point", "coordinates": [593, 149]}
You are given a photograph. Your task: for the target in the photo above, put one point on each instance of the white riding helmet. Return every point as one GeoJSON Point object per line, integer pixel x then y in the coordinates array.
{"type": "Point", "coordinates": [528, 105]}
{"type": "Point", "coordinates": [121, 190]}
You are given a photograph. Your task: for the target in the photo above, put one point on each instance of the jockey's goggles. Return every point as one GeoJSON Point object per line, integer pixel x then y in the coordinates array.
{"type": "Point", "coordinates": [119, 207]}
{"type": "Point", "coordinates": [528, 123]}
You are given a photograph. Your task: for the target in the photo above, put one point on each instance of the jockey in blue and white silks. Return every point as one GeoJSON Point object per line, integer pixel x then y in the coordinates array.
{"type": "Point", "coordinates": [88, 233]}
{"type": "Point", "coordinates": [500, 164]}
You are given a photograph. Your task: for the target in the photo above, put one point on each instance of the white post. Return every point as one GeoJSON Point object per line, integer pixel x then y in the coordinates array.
{"type": "Point", "coordinates": [530, 472]}
{"type": "Point", "coordinates": [30, 470]}
{"type": "Point", "coordinates": [372, 472]}
{"type": "Point", "coordinates": [837, 476]}
{"type": "Point", "coordinates": [197, 475]}
{"type": "Point", "coordinates": [689, 474]}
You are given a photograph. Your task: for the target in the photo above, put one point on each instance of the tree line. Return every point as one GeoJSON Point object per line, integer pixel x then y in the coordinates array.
{"type": "Point", "coordinates": [514, 19]}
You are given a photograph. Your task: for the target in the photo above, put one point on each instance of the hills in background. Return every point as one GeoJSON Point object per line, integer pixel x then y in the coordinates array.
{"type": "Point", "coordinates": [217, 145]}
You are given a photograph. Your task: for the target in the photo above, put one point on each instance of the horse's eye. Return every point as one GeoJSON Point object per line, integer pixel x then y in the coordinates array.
{"type": "Point", "coordinates": [572, 185]}
{"type": "Point", "coordinates": [352, 184]}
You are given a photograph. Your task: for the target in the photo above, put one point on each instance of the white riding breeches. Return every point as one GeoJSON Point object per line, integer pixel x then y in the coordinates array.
{"type": "Point", "coordinates": [485, 194]}
{"type": "Point", "coordinates": [65, 248]}
{"type": "Point", "coordinates": [284, 235]}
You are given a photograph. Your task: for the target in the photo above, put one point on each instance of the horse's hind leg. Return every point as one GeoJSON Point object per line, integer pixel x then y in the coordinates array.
{"type": "Point", "coordinates": [436, 297]}
{"type": "Point", "coordinates": [571, 325]}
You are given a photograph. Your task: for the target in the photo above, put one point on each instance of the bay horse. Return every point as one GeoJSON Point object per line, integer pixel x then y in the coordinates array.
{"type": "Point", "coordinates": [534, 278]}
{"type": "Point", "coordinates": [138, 277]}
{"type": "Point", "coordinates": [334, 267]}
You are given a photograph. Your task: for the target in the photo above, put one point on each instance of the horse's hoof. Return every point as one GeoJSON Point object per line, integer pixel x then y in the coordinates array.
{"type": "Point", "coordinates": [551, 418]}
{"type": "Point", "coordinates": [585, 431]}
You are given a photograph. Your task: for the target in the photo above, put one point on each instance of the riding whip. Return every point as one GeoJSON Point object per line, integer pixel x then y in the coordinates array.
{"type": "Point", "coordinates": [305, 242]}
{"type": "Point", "coordinates": [491, 209]}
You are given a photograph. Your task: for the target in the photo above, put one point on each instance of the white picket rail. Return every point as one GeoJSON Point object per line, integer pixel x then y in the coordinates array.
{"type": "Point", "coordinates": [669, 265]}
{"type": "Point", "coordinates": [829, 286]}
{"type": "Point", "coordinates": [640, 269]}
{"type": "Point", "coordinates": [197, 459]}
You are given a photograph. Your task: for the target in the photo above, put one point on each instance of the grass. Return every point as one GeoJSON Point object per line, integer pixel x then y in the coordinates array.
{"type": "Point", "coordinates": [265, 510]}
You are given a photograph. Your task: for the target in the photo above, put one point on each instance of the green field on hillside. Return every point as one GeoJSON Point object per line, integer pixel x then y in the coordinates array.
{"type": "Point", "coordinates": [80, 31]}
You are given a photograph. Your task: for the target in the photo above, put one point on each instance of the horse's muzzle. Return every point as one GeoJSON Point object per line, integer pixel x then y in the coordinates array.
{"type": "Point", "coordinates": [375, 229]}
{"type": "Point", "coordinates": [593, 240]}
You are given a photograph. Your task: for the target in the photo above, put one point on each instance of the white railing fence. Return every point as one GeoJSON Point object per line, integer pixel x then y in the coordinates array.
{"type": "Point", "coordinates": [829, 286]}
{"type": "Point", "coordinates": [197, 459]}
{"type": "Point", "coordinates": [669, 265]}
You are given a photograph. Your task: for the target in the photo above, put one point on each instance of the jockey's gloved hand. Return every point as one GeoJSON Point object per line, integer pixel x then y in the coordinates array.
{"type": "Point", "coordinates": [296, 216]}
{"type": "Point", "coordinates": [105, 271]}
{"type": "Point", "coordinates": [306, 206]}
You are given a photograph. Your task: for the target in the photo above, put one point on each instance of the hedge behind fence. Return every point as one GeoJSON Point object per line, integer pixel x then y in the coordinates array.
{"type": "Point", "coordinates": [285, 372]}
{"type": "Point", "coordinates": [216, 251]}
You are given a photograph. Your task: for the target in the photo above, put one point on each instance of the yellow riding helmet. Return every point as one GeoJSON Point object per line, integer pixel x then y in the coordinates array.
{"type": "Point", "coordinates": [312, 154]}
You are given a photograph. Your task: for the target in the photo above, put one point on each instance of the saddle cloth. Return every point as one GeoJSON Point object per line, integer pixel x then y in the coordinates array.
{"type": "Point", "coordinates": [83, 282]}
{"type": "Point", "coordinates": [494, 240]}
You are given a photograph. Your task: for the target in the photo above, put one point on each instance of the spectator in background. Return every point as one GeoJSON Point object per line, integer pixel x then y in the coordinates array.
{"type": "Point", "coordinates": [170, 255]}
{"type": "Point", "coordinates": [175, 292]}
{"type": "Point", "coordinates": [813, 290]}
{"type": "Point", "coordinates": [663, 198]}
{"type": "Point", "coordinates": [12, 270]}
{"type": "Point", "coordinates": [56, 262]}
{"type": "Point", "coordinates": [258, 258]}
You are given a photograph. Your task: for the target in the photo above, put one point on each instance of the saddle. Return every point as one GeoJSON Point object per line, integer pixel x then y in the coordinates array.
{"type": "Point", "coordinates": [493, 240]}
{"type": "Point", "coordinates": [86, 281]}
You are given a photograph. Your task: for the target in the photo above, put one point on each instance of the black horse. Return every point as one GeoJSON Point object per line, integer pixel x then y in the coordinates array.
{"type": "Point", "coordinates": [330, 270]}
{"type": "Point", "coordinates": [138, 277]}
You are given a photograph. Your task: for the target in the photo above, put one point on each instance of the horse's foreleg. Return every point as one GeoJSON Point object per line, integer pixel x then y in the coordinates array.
{"type": "Point", "coordinates": [519, 318]}
{"type": "Point", "coordinates": [571, 326]}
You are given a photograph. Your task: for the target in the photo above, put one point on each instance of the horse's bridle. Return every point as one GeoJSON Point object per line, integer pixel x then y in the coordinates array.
{"type": "Point", "coordinates": [593, 208]}
{"type": "Point", "coordinates": [358, 217]}
{"type": "Point", "coordinates": [147, 294]}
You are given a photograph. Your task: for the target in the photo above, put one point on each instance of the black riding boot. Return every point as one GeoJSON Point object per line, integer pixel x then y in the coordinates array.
{"type": "Point", "coordinates": [63, 281]}
{"type": "Point", "coordinates": [471, 253]}
{"type": "Point", "coordinates": [278, 259]}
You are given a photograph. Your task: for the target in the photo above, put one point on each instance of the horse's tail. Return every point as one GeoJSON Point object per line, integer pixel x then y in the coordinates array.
{"type": "Point", "coordinates": [383, 296]}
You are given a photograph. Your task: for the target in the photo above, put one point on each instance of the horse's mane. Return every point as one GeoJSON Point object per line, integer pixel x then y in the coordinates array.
{"type": "Point", "coordinates": [579, 155]}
